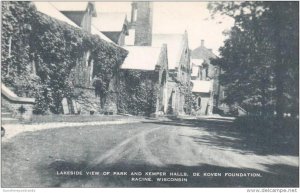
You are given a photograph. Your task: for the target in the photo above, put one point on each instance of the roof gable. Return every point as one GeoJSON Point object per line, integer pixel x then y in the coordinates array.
{"type": "Point", "coordinates": [110, 22]}
{"type": "Point", "coordinates": [141, 57]}
{"type": "Point", "coordinates": [203, 53]}
{"type": "Point", "coordinates": [175, 45]}
{"type": "Point", "coordinates": [47, 8]}
{"type": "Point", "coordinates": [75, 7]}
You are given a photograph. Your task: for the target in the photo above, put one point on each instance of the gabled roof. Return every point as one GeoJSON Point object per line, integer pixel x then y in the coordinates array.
{"type": "Point", "coordinates": [174, 43]}
{"type": "Point", "coordinates": [141, 57]}
{"type": "Point", "coordinates": [109, 22]}
{"type": "Point", "coordinates": [74, 6]}
{"type": "Point", "coordinates": [202, 86]}
{"type": "Point", "coordinates": [202, 52]}
{"type": "Point", "coordinates": [47, 8]}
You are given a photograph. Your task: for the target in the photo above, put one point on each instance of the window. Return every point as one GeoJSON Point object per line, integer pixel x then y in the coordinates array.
{"type": "Point", "coordinates": [91, 65]}
{"type": "Point", "coordinates": [135, 15]}
{"type": "Point", "coordinates": [9, 46]}
{"type": "Point", "coordinates": [199, 102]}
{"type": "Point", "coordinates": [87, 59]}
{"type": "Point", "coordinates": [173, 100]}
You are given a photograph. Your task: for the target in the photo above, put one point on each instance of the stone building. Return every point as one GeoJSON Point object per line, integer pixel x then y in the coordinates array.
{"type": "Point", "coordinates": [143, 56]}
{"type": "Point", "coordinates": [167, 55]}
{"type": "Point", "coordinates": [150, 60]}
{"type": "Point", "coordinates": [203, 94]}
{"type": "Point", "coordinates": [79, 15]}
{"type": "Point", "coordinates": [178, 54]}
{"type": "Point", "coordinates": [179, 69]}
{"type": "Point", "coordinates": [204, 74]}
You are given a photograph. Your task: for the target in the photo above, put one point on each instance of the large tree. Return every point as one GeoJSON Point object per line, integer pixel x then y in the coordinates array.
{"type": "Point", "coordinates": [260, 56]}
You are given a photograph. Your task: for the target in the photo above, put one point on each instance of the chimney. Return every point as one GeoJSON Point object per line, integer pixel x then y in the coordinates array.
{"type": "Point", "coordinates": [202, 43]}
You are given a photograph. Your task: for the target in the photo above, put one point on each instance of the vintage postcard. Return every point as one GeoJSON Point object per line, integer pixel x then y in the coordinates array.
{"type": "Point", "coordinates": [150, 94]}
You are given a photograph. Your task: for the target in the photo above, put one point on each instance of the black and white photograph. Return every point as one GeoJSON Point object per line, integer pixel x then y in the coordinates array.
{"type": "Point", "coordinates": [150, 94]}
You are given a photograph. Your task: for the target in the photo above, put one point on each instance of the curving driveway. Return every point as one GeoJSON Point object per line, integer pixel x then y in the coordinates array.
{"type": "Point", "coordinates": [32, 159]}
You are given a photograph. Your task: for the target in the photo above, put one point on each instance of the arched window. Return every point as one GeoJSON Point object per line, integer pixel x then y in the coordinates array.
{"type": "Point", "coordinates": [163, 78]}
{"type": "Point", "coordinates": [199, 102]}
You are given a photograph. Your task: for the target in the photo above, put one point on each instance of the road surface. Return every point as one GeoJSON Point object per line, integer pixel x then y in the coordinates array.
{"type": "Point", "coordinates": [202, 153]}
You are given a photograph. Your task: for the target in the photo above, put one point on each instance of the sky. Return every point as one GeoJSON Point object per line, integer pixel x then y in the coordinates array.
{"type": "Point", "coordinates": [176, 17]}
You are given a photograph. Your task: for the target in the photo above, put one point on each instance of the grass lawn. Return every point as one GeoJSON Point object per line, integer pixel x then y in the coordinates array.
{"type": "Point", "coordinates": [78, 118]}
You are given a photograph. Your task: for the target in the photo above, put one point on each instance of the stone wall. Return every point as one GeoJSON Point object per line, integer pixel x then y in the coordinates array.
{"type": "Point", "coordinates": [81, 75]}
{"type": "Point", "coordinates": [15, 107]}
{"type": "Point", "coordinates": [206, 104]}
{"type": "Point", "coordinates": [110, 106]}
{"type": "Point", "coordinates": [180, 77]}
{"type": "Point", "coordinates": [87, 100]}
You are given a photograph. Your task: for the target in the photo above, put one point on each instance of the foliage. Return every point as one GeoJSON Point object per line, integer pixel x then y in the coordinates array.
{"type": "Point", "coordinates": [189, 99]}
{"type": "Point", "coordinates": [53, 48]}
{"type": "Point", "coordinates": [15, 65]}
{"type": "Point", "coordinates": [138, 92]}
{"type": "Point", "coordinates": [260, 56]}
{"type": "Point", "coordinates": [106, 66]}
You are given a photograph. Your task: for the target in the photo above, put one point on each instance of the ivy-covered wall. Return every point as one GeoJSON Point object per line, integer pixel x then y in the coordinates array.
{"type": "Point", "coordinates": [138, 92]}
{"type": "Point", "coordinates": [39, 54]}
